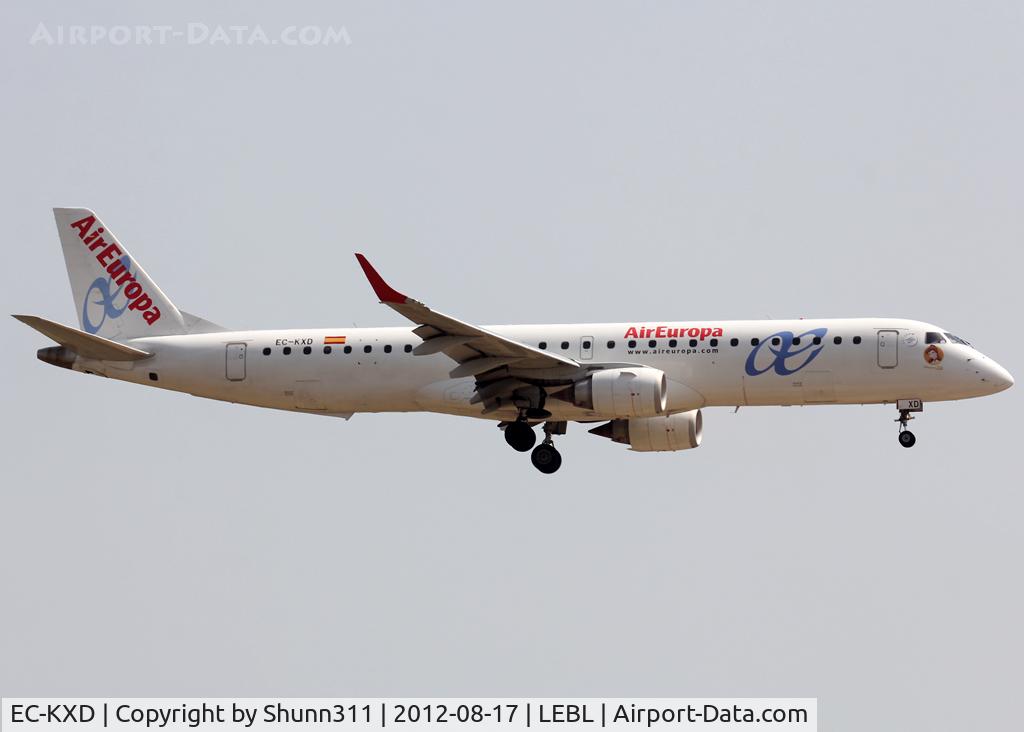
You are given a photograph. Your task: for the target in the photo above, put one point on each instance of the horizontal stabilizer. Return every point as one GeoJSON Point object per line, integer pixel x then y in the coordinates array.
{"type": "Point", "coordinates": [84, 344]}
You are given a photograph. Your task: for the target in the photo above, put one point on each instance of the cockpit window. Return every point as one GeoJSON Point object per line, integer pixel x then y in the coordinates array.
{"type": "Point", "coordinates": [957, 339]}
{"type": "Point", "coordinates": [934, 338]}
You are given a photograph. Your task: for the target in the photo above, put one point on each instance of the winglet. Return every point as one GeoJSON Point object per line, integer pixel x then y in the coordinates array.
{"type": "Point", "coordinates": [384, 291]}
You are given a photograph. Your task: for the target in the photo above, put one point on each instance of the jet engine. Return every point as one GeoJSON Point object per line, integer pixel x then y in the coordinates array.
{"type": "Point", "coordinates": [625, 392]}
{"type": "Point", "coordinates": [680, 431]}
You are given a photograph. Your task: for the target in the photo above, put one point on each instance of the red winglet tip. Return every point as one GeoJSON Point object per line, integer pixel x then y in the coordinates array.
{"type": "Point", "coordinates": [384, 291]}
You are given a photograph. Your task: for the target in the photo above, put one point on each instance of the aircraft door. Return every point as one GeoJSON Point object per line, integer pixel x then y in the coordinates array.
{"type": "Point", "coordinates": [888, 348]}
{"type": "Point", "coordinates": [586, 348]}
{"type": "Point", "coordinates": [235, 361]}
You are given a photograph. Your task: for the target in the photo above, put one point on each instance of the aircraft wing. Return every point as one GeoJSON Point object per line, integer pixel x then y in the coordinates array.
{"type": "Point", "coordinates": [475, 350]}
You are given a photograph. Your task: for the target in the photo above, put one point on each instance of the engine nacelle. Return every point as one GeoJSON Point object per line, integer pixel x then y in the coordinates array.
{"type": "Point", "coordinates": [656, 434]}
{"type": "Point", "coordinates": [626, 392]}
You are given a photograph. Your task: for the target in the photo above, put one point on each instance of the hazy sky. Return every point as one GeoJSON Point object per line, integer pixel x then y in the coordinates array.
{"type": "Point", "coordinates": [521, 162]}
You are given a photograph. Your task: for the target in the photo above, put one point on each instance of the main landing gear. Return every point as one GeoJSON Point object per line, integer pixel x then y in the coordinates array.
{"type": "Point", "coordinates": [521, 437]}
{"type": "Point", "coordinates": [545, 457]}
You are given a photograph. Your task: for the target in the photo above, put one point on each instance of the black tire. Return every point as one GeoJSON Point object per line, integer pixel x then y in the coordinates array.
{"type": "Point", "coordinates": [907, 438]}
{"type": "Point", "coordinates": [520, 436]}
{"type": "Point", "coordinates": [546, 458]}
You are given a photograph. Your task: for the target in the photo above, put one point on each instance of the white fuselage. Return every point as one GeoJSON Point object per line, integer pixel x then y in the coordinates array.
{"type": "Point", "coordinates": [712, 363]}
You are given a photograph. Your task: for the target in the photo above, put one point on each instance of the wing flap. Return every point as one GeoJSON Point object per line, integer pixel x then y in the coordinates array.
{"type": "Point", "coordinates": [440, 343]}
{"type": "Point", "coordinates": [477, 366]}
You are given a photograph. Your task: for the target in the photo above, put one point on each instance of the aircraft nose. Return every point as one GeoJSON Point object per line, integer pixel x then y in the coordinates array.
{"type": "Point", "coordinates": [994, 374]}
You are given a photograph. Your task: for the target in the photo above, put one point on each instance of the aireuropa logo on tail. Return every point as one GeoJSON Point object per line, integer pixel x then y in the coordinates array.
{"type": "Point", "coordinates": [118, 266]}
{"type": "Point", "coordinates": [101, 301]}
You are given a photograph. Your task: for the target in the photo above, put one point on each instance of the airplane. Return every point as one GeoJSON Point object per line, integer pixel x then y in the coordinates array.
{"type": "Point", "coordinates": [644, 384]}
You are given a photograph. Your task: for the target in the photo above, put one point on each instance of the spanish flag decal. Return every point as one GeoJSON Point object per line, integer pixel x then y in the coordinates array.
{"type": "Point", "coordinates": [334, 340]}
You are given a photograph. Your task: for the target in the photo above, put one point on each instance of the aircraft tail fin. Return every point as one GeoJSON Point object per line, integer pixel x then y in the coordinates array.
{"type": "Point", "coordinates": [114, 296]}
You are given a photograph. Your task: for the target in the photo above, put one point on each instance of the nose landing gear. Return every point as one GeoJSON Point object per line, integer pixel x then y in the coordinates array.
{"type": "Point", "coordinates": [907, 438]}
{"type": "Point", "coordinates": [906, 406]}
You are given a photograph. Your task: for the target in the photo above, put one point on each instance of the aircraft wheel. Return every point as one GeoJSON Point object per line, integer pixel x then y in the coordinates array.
{"type": "Point", "coordinates": [546, 458]}
{"type": "Point", "coordinates": [520, 436]}
{"type": "Point", "coordinates": [907, 438]}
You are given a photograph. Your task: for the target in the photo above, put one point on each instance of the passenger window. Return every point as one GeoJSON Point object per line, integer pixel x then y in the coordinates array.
{"type": "Point", "coordinates": [611, 344]}
{"type": "Point", "coordinates": [542, 345]}
{"type": "Point", "coordinates": [673, 343]}
{"type": "Point", "coordinates": [286, 350]}
{"type": "Point", "coordinates": [856, 339]}
{"type": "Point", "coordinates": [817, 340]}
{"type": "Point", "coordinates": [387, 348]}
{"type": "Point", "coordinates": [307, 350]}
{"type": "Point", "coordinates": [586, 344]}
{"type": "Point", "coordinates": [734, 342]}
{"type": "Point", "coordinates": [652, 344]}
{"type": "Point", "coordinates": [796, 341]}
{"type": "Point", "coordinates": [714, 342]}
{"type": "Point", "coordinates": [327, 349]}
{"type": "Point", "coordinates": [837, 340]}
{"type": "Point", "coordinates": [266, 351]}
{"type": "Point", "coordinates": [367, 349]}
{"type": "Point", "coordinates": [776, 341]}
{"type": "Point", "coordinates": [348, 349]}
{"type": "Point", "coordinates": [934, 338]}
{"type": "Point", "coordinates": [693, 343]}
{"type": "Point", "coordinates": [754, 341]}
{"type": "Point", "coordinates": [565, 345]}
{"type": "Point", "coordinates": [632, 344]}
{"type": "Point", "coordinates": [408, 348]}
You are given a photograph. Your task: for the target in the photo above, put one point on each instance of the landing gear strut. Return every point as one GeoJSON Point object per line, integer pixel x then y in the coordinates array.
{"type": "Point", "coordinates": [906, 437]}
{"type": "Point", "coordinates": [545, 457]}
